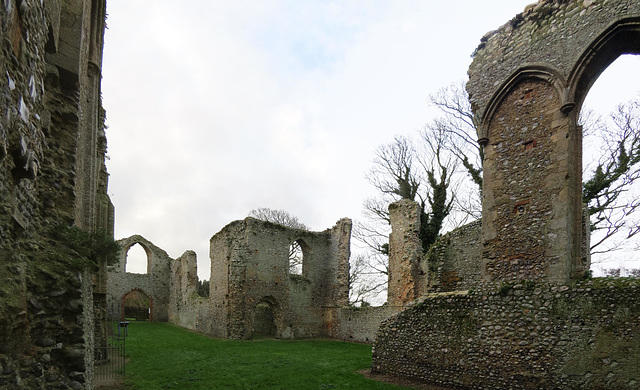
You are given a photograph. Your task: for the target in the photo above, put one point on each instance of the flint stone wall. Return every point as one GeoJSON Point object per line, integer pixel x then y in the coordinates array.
{"type": "Point", "coordinates": [453, 262]}
{"type": "Point", "coordinates": [519, 336]}
{"type": "Point", "coordinates": [52, 171]}
{"type": "Point", "coordinates": [361, 324]}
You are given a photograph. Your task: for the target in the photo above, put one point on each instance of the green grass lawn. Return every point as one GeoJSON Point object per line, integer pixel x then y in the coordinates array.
{"type": "Point", "coordinates": [161, 356]}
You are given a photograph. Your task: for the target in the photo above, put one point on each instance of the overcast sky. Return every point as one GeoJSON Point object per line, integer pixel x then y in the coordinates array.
{"type": "Point", "coordinates": [218, 107]}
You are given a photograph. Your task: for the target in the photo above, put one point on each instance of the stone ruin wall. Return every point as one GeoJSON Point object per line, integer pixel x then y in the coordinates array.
{"type": "Point", "coordinates": [518, 336]}
{"type": "Point", "coordinates": [524, 190]}
{"type": "Point", "coordinates": [360, 324]}
{"type": "Point", "coordinates": [453, 262]}
{"type": "Point", "coordinates": [155, 283]}
{"type": "Point", "coordinates": [525, 319]}
{"type": "Point", "coordinates": [52, 148]}
{"type": "Point", "coordinates": [249, 265]}
{"type": "Point", "coordinates": [406, 275]}
{"type": "Point", "coordinates": [186, 308]}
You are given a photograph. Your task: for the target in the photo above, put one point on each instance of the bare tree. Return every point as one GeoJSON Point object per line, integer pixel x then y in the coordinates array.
{"type": "Point", "coordinates": [458, 130]}
{"type": "Point", "coordinates": [364, 281]}
{"type": "Point", "coordinates": [393, 171]}
{"type": "Point", "coordinates": [398, 172]}
{"type": "Point", "coordinates": [282, 217]}
{"type": "Point", "coordinates": [459, 123]}
{"type": "Point", "coordinates": [609, 191]}
{"type": "Point", "coordinates": [403, 171]}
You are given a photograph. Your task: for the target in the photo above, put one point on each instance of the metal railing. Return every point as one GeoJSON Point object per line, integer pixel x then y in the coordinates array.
{"type": "Point", "coordinates": [110, 358]}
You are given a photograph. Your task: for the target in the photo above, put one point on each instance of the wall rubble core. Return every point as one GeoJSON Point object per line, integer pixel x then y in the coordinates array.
{"type": "Point", "coordinates": [507, 303]}
{"type": "Point", "coordinates": [406, 276]}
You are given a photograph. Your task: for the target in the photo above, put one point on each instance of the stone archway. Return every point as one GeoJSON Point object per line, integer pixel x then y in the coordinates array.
{"type": "Point", "coordinates": [526, 85]}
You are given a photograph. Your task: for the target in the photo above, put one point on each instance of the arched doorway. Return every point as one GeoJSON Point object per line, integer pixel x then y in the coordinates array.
{"type": "Point", "coordinates": [136, 305]}
{"type": "Point", "coordinates": [265, 319]}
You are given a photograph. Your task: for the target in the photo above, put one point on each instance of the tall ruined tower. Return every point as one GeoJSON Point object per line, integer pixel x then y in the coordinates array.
{"type": "Point", "coordinates": [52, 182]}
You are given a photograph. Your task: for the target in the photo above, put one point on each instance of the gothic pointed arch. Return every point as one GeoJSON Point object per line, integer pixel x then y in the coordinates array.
{"type": "Point", "coordinates": [622, 37]}
{"type": "Point", "coordinates": [543, 72]}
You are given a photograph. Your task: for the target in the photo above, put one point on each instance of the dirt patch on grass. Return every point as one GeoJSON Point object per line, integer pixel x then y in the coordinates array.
{"type": "Point", "coordinates": [403, 381]}
{"type": "Point", "coordinates": [110, 384]}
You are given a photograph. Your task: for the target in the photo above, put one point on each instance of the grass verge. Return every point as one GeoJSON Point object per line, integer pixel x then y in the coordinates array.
{"type": "Point", "coordinates": [162, 356]}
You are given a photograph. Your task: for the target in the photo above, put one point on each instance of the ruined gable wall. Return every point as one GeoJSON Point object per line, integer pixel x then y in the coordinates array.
{"type": "Point", "coordinates": [156, 283]}
{"type": "Point", "coordinates": [46, 299]}
{"type": "Point", "coordinates": [250, 264]}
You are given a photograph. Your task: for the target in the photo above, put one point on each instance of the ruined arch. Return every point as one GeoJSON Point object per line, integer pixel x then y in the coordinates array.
{"type": "Point", "coordinates": [622, 37]}
{"type": "Point", "coordinates": [147, 251]}
{"type": "Point", "coordinates": [155, 283]}
{"type": "Point", "coordinates": [541, 72]}
{"type": "Point", "coordinates": [532, 174]}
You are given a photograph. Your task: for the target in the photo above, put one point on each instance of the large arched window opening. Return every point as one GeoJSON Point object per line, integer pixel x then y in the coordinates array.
{"type": "Point", "coordinates": [610, 120]}
{"type": "Point", "coordinates": [138, 260]}
{"type": "Point", "coordinates": [298, 253]}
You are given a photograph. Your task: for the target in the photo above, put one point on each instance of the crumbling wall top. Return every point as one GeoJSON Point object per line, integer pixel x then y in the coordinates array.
{"type": "Point", "coordinates": [158, 258]}
{"type": "Point", "coordinates": [551, 35]}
